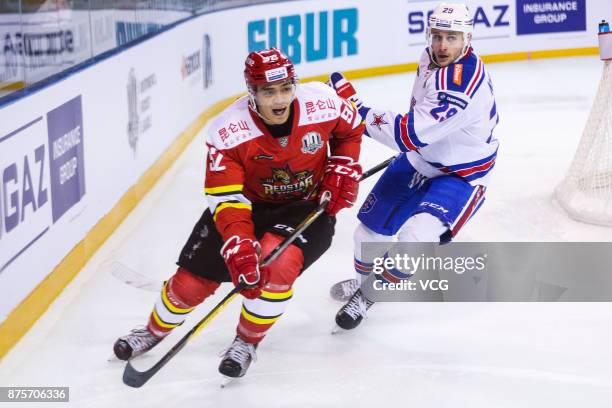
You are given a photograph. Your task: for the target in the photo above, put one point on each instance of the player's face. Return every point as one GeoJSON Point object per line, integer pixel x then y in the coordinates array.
{"type": "Point", "coordinates": [446, 46]}
{"type": "Point", "coordinates": [273, 102]}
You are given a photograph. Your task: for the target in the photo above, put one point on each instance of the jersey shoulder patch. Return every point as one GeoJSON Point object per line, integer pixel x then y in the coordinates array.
{"type": "Point", "coordinates": [233, 126]}
{"type": "Point", "coordinates": [464, 76]}
{"type": "Point", "coordinates": [318, 103]}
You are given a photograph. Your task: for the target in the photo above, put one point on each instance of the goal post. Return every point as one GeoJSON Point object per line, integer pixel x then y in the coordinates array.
{"type": "Point", "coordinates": [586, 191]}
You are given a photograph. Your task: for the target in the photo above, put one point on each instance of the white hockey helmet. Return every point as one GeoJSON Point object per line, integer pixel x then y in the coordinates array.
{"type": "Point", "coordinates": [452, 17]}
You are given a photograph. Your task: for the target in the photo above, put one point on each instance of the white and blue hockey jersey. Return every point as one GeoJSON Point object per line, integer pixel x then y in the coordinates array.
{"type": "Point", "coordinates": [449, 128]}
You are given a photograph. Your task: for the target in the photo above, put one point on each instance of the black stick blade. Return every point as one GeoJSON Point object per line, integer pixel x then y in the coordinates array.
{"type": "Point", "coordinates": [135, 378]}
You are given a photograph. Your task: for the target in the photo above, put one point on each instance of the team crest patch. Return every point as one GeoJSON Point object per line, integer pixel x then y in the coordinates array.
{"type": "Point", "coordinates": [311, 142]}
{"type": "Point", "coordinates": [285, 182]}
{"type": "Point", "coordinates": [379, 120]}
{"type": "Point", "coordinates": [368, 204]}
{"type": "Point", "coordinates": [284, 141]}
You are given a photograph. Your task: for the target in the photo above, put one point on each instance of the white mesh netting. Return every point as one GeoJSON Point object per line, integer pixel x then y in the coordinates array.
{"type": "Point", "coordinates": [586, 191]}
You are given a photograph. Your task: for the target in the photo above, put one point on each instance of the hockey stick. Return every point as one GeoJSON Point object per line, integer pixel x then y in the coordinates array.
{"type": "Point", "coordinates": [134, 279]}
{"type": "Point", "coordinates": [136, 379]}
{"type": "Point", "coordinates": [377, 168]}
{"type": "Point", "coordinates": [137, 280]}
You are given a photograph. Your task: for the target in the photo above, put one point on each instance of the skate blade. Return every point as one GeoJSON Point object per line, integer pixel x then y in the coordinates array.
{"type": "Point", "coordinates": [226, 381]}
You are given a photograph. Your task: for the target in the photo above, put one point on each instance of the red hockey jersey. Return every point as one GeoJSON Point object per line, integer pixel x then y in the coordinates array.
{"type": "Point", "coordinates": [246, 165]}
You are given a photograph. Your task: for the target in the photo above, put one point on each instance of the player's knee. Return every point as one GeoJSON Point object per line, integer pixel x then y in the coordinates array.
{"type": "Point", "coordinates": [186, 289]}
{"type": "Point", "coordinates": [422, 227]}
{"type": "Point", "coordinates": [287, 267]}
{"type": "Point", "coordinates": [364, 234]}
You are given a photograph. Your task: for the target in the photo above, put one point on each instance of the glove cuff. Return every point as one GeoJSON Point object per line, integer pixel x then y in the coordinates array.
{"type": "Point", "coordinates": [342, 160]}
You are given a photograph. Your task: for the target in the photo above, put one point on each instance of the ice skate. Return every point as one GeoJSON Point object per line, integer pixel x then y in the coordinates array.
{"type": "Point", "coordinates": [236, 360]}
{"type": "Point", "coordinates": [137, 342]}
{"type": "Point", "coordinates": [352, 313]}
{"type": "Point", "coordinates": [343, 290]}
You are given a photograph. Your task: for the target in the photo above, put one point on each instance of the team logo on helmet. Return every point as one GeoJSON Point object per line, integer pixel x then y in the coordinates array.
{"type": "Point", "coordinates": [276, 74]}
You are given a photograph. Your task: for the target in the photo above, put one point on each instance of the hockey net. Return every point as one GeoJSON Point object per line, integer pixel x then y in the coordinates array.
{"type": "Point", "coordinates": [586, 191]}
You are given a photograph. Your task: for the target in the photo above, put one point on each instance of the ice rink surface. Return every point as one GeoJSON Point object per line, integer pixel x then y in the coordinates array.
{"type": "Point", "coordinates": [406, 354]}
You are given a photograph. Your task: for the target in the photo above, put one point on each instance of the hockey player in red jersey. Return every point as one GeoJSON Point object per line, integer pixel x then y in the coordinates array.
{"type": "Point", "coordinates": [271, 154]}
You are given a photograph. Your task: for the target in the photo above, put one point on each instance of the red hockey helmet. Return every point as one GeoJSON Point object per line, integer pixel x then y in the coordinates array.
{"type": "Point", "coordinates": [267, 66]}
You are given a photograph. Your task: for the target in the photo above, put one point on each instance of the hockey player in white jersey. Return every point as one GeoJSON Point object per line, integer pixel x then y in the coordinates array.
{"type": "Point", "coordinates": [431, 191]}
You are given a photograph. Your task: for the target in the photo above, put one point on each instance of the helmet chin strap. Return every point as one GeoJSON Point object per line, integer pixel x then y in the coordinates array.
{"type": "Point", "coordinates": [432, 56]}
{"type": "Point", "coordinates": [252, 102]}
{"type": "Point", "coordinates": [467, 40]}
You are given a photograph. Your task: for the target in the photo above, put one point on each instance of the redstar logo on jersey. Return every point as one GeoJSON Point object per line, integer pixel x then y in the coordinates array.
{"type": "Point", "coordinates": [284, 182]}
{"type": "Point", "coordinates": [379, 121]}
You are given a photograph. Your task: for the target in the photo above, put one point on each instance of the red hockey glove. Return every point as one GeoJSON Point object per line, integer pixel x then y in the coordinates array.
{"type": "Point", "coordinates": [344, 88]}
{"type": "Point", "coordinates": [341, 179]}
{"type": "Point", "coordinates": [242, 259]}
